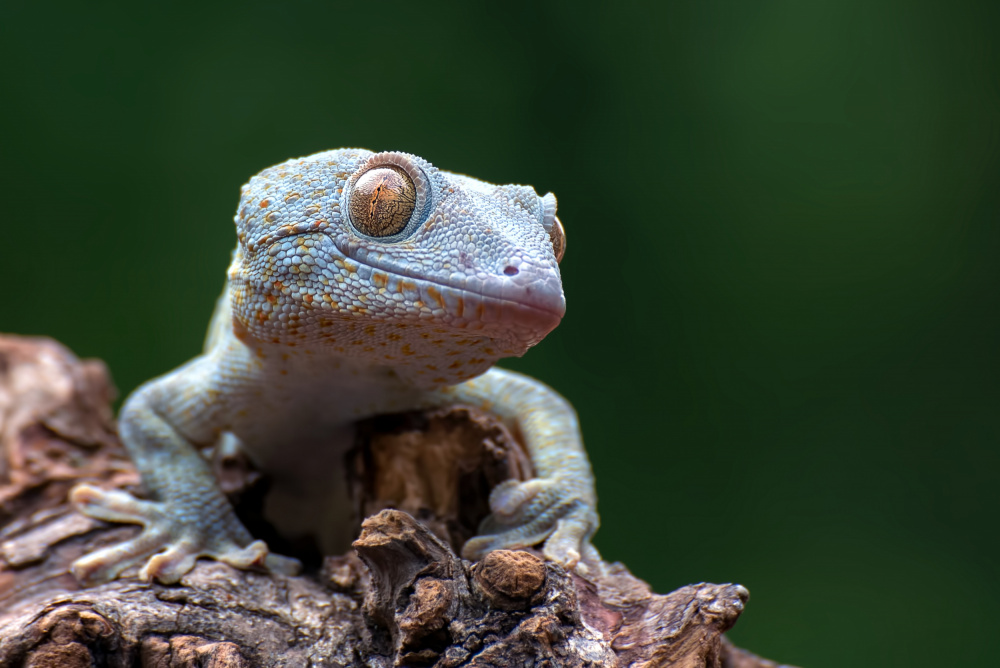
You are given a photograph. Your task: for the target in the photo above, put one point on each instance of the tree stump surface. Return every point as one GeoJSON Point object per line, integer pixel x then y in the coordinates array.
{"type": "Point", "coordinates": [419, 485]}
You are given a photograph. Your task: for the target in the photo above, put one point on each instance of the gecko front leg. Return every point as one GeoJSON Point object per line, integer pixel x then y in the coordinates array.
{"type": "Point", "coordinates": [188, 516]}
{"type": "Point", "coordinates": [559, 506]}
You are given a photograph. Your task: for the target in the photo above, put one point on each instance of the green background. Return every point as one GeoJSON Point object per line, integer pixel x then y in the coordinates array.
{"type": "Point", "coordinates": [782, 268]}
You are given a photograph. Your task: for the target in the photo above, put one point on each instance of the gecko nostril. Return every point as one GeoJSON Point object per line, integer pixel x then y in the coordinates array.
{"type": "Point", "coordinates": [510, 271]}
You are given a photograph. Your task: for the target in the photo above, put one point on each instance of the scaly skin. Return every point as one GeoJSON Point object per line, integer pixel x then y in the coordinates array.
{"type": "Point", "coordinates": [362, 284]}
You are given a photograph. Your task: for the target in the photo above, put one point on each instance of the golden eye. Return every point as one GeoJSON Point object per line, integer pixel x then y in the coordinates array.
{"type": "Point", "coordinates": [382, 201]}
{"type": "Point", "coordinates": [558, 237]}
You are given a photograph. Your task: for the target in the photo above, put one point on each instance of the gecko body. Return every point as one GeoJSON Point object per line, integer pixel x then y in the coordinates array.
{"type": "Point", "coordinates": [362, 283]}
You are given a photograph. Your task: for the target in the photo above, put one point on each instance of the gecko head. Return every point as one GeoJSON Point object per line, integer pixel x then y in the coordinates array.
{"type": "Point", "coordinates": [383, 256]}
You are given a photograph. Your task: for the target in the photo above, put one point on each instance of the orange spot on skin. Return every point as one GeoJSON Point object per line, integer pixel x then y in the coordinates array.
{"type": "Point", "coordinates": [264, 203]}
{"type": "Point", "coordinates": [394, 337]}
{"type": "Point", "coordinates": [456, 364]}
{"type": "Point", "coordinates": [435, 295]}
{"type": "Point", "coordinates": [407, 285]}
{"type": "Point", "coordinates": [370, 330]}
{"type": "Point", "coordinates": [406, 350]}
{"type": "Point", "coordinates": [308, 298]}
{"type": "Point", "coordinates": [380, 280]}
{"type": "Point", "coordinates": [272, 299]}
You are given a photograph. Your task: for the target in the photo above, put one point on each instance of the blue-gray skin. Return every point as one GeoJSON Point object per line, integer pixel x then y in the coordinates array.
{"type": "Point", "coordinates": [362, 284]}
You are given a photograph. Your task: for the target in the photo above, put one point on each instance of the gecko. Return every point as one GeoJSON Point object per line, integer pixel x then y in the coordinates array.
{"type": "Point", "coordinates": [361, 284]}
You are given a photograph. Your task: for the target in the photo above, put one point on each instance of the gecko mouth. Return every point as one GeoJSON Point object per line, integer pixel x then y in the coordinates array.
{"type": "Point", "coordinates": [464, 308]}
{"type": "Point", "coordinates": [527, 303]}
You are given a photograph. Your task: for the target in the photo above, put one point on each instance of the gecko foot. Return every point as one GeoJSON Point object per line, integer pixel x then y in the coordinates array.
{"type": "Point", "coordinates": [527, 513]}
{"type": "Point", "coordinates": [172, 539]}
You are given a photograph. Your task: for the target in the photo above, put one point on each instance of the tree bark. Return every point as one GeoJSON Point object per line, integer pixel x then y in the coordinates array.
{"type": "Point", "coordinates": [401, 598]}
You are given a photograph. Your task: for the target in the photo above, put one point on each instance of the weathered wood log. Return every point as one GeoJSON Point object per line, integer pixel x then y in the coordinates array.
{"type": "Point", "coordinates": [401, 598]}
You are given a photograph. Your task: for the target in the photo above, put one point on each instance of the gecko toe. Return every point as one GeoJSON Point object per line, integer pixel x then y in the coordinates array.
{"type": "Point", "coordinates": [170, 565]}
{"type": "Point", "coordinates": [277, 563]}
{"type": "Point", "coordinates": [105, 565]}
{"type": "Point", "coordinates": [571, 536]}
{"type": "Point", "coordinates": [253, 555]}
{"type": "Point", "coordinates": [111, 505]}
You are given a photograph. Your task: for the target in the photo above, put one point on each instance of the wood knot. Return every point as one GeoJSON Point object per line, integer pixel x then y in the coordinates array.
{"type": "Point", "coordinates": [427, 609]}
{"type": "Point", "coordinates": [67, 635]}
{"type": "Point", "coordinates": [423, 626]}
{"type": "Point", "coordinates": [192, 651]}
{"type": "Point", "coordinates": [510, 579]}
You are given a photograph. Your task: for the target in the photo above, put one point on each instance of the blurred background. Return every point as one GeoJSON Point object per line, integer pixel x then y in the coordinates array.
{"type": "Point", "coordinates": [782, 270]}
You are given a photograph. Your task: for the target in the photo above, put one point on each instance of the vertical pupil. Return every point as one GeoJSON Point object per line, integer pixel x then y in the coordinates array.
{"type": "Point", "coordinates": [375, 197]}
{"type": "Point", "coordinates": [382, 201]}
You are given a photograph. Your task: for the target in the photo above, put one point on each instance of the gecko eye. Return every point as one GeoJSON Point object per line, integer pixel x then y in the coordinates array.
{"type": "Point", "coordinates": [558, 236]}
{"type": "Point", "coordinates": [552, 225]}
{"type": "Point", "coordinates": [382, 201]}
{"type": "Point", "coordinates": [388, 196]}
